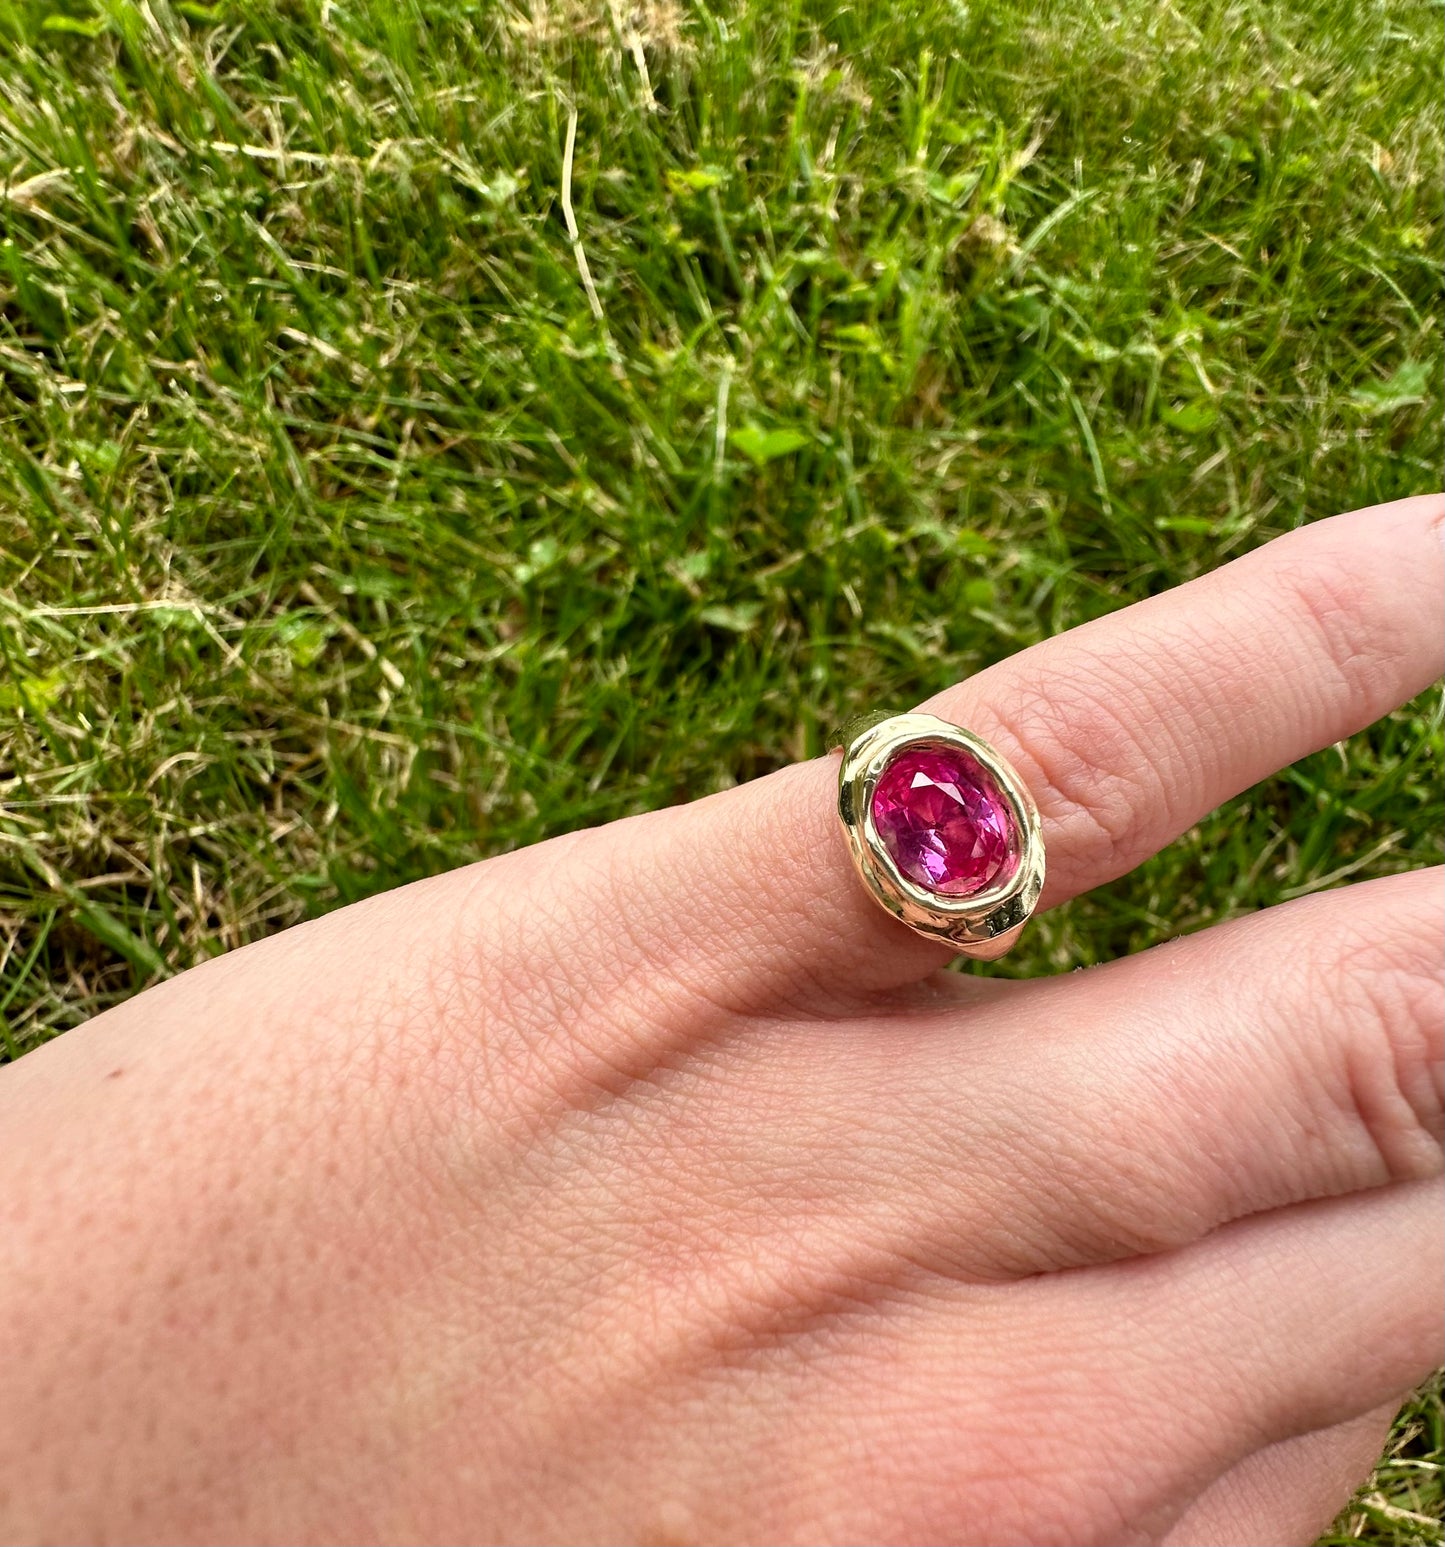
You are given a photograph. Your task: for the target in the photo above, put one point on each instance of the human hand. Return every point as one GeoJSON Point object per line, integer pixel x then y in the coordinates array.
{"type": "Point", "coordinates": [650, 1184]}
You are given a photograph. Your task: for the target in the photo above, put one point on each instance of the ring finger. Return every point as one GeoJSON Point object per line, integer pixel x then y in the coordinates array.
{"type": "Point", "coordinates": [1127, 731]}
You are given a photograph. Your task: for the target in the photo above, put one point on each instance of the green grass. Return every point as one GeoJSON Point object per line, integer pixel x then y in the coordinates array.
{"type": "Point", "coordinates": [355, 521]}
{"type": "Point", "coordinates": [1404, 1502]}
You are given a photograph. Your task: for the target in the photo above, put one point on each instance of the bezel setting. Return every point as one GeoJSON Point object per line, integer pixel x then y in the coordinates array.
{"type": "Point", "coordinates": [982, 925]}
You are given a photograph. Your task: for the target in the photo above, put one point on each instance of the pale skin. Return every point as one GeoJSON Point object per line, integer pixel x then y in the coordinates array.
{"type": "Point", "coordinates": [653, 1185]}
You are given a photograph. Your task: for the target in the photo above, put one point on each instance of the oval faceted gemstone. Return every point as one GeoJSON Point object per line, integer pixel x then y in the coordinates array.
{"type": "Point", "coordinates": [943, 821]}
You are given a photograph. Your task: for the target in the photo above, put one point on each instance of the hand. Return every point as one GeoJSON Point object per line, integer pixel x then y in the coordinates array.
{"type": "Point", "coordinates": [650, 1184]}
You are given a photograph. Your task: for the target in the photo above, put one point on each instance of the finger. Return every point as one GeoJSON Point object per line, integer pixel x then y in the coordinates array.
{"type": "Point", "coordinates": [1139, 1383]}
{"type": "Point", "coordinates": [1290, 1055]}
{"type": "Point", "coordinates": [1293, 1054]}
{"type": "Point", "coordinates": [1297, 1320]}
{"type": "Point", "coordinates": [1127, 731]}
{"type": "Point", "coordinates": [1287, 1493]}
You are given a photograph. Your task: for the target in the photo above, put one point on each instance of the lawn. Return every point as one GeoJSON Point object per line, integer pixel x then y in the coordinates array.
{"type": "Point", "coordinates": [428, 425]}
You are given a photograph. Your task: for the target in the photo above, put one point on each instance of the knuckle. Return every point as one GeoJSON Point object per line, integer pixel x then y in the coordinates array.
{"type": "Point", "coordinates": [1330, 596]}
{"type": "Point", "coordinates": [1392, 990]}
{"type": "Point", "coordinates": [1082, 755]}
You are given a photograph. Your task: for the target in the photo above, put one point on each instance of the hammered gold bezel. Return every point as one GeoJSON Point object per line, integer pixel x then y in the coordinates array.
{"type": "Point", "coordinates": [984, 925]}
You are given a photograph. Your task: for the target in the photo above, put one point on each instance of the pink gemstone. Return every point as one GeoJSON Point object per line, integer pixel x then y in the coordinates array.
{"type": "Point", "coordinates": [944, 822]}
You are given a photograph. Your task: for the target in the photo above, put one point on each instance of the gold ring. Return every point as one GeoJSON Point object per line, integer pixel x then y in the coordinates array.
{"type": "Point", "coordinates": [942, 830]}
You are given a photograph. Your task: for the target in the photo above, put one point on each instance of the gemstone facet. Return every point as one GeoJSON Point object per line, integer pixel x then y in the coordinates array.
{"type": "Point", "coordinates": [945, 824]}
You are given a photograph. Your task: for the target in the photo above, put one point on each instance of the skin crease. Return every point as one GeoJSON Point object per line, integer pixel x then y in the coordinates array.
{"type": "Point", "coordinates": [651, 1185]}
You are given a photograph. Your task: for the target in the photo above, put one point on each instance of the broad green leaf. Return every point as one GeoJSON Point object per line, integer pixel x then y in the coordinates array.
{"type": "Point", "coordinates": [1192, 418]}
{"type": "Point", "coordinates": [1408, 385]}
{"type": "Point", "coordinates": [694, 180]}
{"type": "Point", "coordinates": [36, 694]}
{"type": "Point", "coordinates": [762, 446]}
